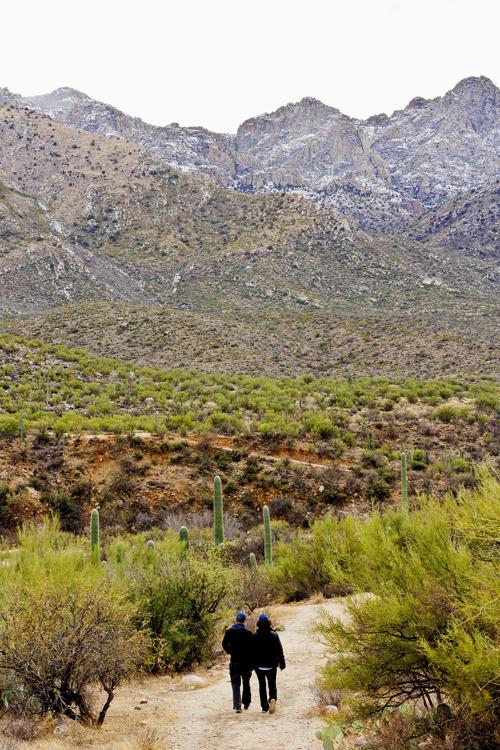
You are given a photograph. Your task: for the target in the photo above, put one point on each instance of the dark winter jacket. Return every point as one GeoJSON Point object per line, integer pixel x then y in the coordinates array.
{"type": "Point", "coordinates": [238, 643]}
{"type": "Point", "coordinates": [268, 651]}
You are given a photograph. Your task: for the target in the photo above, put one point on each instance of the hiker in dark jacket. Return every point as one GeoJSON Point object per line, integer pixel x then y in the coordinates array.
{"type": "Point", "coordinates": [268, 656]}
{"type": "Point", "coordinates": [238, 643]}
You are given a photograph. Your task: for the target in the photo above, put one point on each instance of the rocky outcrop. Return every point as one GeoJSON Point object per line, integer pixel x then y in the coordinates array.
{"type": "Point", "coordinates": [469, 222]}
{"type": "Point", "coordinates": [194, 150]}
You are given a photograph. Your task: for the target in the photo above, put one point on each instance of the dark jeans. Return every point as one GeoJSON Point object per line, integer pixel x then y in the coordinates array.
{"type": "Point", "coordinates": [240, 674]}
{"type": "Point", "coordinates": [270, 676]}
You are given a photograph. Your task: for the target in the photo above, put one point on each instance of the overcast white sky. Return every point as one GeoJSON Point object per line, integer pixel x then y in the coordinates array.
{"type": "Point", "coordinates": [218, 62]}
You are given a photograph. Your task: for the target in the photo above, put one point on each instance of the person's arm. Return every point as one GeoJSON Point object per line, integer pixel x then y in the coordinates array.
{"type": "Point", "coordinates": [251, 650]}
{"type": "Point", "coordinates": [226, 642]}
{"type": "Point", "coordinates": [279, 653]}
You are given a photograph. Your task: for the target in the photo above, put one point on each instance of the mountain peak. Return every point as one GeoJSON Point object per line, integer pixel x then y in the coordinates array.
{"type": "Point", "coordinates": [311, 101]}
{"type": "Point", "coordinates": [309, 104]}
{"type": "Point", "coordinates": [478, 83]}
{"type": "Point", "coordinates": [61, 94]}
{"type": "Point", "coordinates": [8, 98]}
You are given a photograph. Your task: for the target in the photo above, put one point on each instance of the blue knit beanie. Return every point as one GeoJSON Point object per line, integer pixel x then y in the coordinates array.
{"type": "Point", "coordinates": [241, 617]}
{"type": "Point", "coordinates": [263, 617]}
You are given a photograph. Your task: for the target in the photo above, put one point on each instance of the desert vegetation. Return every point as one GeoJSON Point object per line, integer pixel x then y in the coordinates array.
{"type": "Point", "coordinates": [78, 615]}
{"type": "Point", "coordinates": [142, 506]}
{"type": "Point", "coordinates": [69, 390]}
{"type": "Point", "coordinates": [79, 431]}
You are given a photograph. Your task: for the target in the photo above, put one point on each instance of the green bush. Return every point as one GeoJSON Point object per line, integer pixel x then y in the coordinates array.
{"type": "Point", "coordinates": [449, 413]}
{"type": "Point", "coordinates": [326, 560]}
{"type": "Point", "coordinates": [319, 424]}
{"type": "Point", "coordinates": [429, 629]}
{"type": "Point", "coordinates": [179, 607]}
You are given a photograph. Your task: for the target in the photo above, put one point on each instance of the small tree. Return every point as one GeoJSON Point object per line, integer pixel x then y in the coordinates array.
{"type": "Point", "coordinates": [58, 642]}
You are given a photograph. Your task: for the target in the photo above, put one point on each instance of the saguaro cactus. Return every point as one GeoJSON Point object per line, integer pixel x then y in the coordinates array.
{"type": "Point", "coordinates": [218, 512]}
{"type": "Point", "coordinates": [411, 458]}
{"type": "Point", "coordinates": [268, 541]}
{"type": "Point", "coordinates": [95, 549]}
{"type": "Point", "coordinates": [253, 560]}
{"type": "Point", "coordinates": [184, 536]}
{"type": "Point", "coordinates": [404, 481]}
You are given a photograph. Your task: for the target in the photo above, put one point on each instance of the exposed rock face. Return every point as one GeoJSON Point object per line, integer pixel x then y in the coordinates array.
{"type": "Point", "coordinates": [383, 172]}
{"type": "Point", "coordinates": [469, 222]}
{"type": "Point", "coordinates": [7, 98]}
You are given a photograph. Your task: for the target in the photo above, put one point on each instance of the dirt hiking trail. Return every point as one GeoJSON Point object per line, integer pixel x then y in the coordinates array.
{"type": "Point", "coordinates": [204, 718]}
{"type": "Point", "coordinates": [163, 714]}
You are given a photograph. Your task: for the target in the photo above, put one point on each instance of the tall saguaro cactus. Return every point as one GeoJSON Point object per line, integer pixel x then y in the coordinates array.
{"type": "Point", "coordinates": [218, 512]}
{"type": "Point", "coordinates": [95, 548]}
{"type": "Point", "coordinates": [268, 541]}
{"type": "Point", "coordinates": [404, 481]}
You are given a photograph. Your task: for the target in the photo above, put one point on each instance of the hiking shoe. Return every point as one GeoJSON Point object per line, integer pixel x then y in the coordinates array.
{"type": "Point", "coordinates": [246, 706]}
{"type": "Point", "coordinates": [272, 706]}
{"type": "Point", "coordinates": [264, 710]}
{"type": "Point", "coordinates": [238, 710]}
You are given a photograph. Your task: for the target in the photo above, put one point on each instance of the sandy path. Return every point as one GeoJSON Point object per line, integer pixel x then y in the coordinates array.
{"type": "Point", "coordinates": [204, 718]}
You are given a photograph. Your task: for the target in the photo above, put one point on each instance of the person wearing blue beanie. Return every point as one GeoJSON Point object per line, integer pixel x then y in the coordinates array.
{"type": "Point", "coordinates": [268, 656]}
{"type": "Point", "coordinates": [238, 643]}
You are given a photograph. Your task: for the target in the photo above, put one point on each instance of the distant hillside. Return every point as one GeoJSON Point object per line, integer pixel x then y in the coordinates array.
{"type": "Point", "coordinates": [444, 343]}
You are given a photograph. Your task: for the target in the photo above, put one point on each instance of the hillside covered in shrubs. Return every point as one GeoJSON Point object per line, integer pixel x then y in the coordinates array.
{"type": "Point", "coordinates": [143, 444]}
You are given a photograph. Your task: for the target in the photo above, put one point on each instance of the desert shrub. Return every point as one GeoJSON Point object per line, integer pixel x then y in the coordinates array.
{"type": "Point", "coordinates": [9, 426]}
{"type": "Point", "coordinates": [378, 489]}
{"type": "Point", "coordinates": [326, 560]}
{"type": "Point", "coordinates": [57, 643]}
{"type": "Point", "coordinates": [65, 628]}
{"type": "Point", "coordinates": [178, 605]}
{"type": "Point", "coordinates": [321, 425]}
{"type": "Point", "coordinates": [254, 588]}
{"type": "Point", "coordinates": [449, 413]}
{"type": "Point", "coordinates": [278, 426]}
{"type": "Point", "coordinates": [429, 630]}
{"type": "Point", "coordinates": [419, 459]}
{"type": "Point", "coordinates": [410, 728]}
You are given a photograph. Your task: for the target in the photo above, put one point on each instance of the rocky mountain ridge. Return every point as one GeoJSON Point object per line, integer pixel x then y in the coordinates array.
{"type": "Point", "coordinates": [259, 280]}
{"type": "Point", "coordinates": [103, 220]}
{"type": "Point", "coordinates": [384, 172]}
